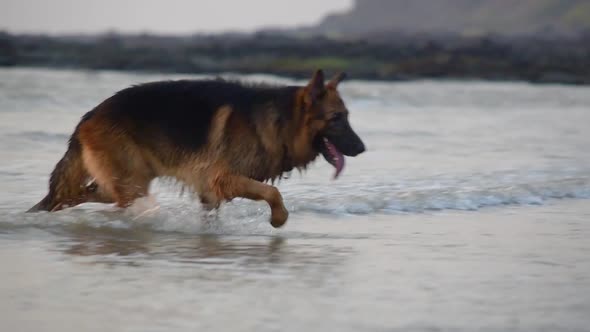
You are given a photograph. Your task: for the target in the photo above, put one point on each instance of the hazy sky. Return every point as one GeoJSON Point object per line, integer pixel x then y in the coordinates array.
{"type": "Point", "coordinates": [171, 16]}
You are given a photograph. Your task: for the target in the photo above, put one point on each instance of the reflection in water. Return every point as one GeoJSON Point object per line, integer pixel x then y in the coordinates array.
{"type": "Point", "coordinates": [238, 255]}
{"type": "Point", "coordinates": [107, 241]}
{"type": "Point", "coordinates": [90, 246]}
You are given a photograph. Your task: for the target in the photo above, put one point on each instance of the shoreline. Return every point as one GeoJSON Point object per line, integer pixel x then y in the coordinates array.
{"type": "Point", "coordinates": [288, 76]}
{"type": "Point", "coordinates": [527, 59]}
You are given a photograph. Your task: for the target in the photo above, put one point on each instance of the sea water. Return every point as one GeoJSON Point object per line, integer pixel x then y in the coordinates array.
{"type": "Point", "coordinates": [469, 211]}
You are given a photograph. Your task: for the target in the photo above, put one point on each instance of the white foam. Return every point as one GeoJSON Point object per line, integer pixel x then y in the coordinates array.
{"type": "Point", "coordinates": [166, 212]}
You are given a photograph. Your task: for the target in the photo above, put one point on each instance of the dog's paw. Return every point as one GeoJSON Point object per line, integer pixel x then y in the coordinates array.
{"type": "Point", "coordinates": [279, 217]}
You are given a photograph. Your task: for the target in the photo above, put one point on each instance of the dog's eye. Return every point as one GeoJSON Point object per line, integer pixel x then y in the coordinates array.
{"type": "Point", "coordinates": [337, 117]}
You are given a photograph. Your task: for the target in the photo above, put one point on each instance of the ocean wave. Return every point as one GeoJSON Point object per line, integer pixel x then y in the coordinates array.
{"type": "Point", "coordinates": [171, 214]}
{"type": "Point", "coordinates": [436, 199]}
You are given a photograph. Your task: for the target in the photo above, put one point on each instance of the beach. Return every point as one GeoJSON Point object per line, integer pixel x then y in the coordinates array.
{"type": "Point", "coordinates": [469, 211]}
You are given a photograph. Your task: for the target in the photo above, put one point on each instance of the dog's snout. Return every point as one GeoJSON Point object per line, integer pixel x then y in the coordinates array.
{"type": "Point", "coordinates": [361, 147]}
{"type": "Point", "coordinates": [358, 148]}
{"type": "Point", "coordinates": [354, 148]}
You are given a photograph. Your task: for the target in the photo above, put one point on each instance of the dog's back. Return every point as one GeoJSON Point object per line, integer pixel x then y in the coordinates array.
{"type": "Point", "coordinates": [182, 111]}
{"type": "Point", "coordinates": [220, 139]}
{"type": "Point", "coordinates": [177, 129]}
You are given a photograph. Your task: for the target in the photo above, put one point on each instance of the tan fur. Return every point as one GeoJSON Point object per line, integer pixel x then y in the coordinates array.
{"type": "Point", "coordinates": [227, 167]}
{"type": "Point", "coordinates": [218, 125]}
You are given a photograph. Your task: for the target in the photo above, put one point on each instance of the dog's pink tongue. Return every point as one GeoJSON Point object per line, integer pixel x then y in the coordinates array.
{"type": "Point", "coordinates": [337, 157]}
{"type": "Point", "coordinates": [339, 163]}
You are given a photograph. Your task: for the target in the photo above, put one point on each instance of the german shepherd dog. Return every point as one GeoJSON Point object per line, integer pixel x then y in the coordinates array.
{"type": "Point", "coordinates": [220, 139]}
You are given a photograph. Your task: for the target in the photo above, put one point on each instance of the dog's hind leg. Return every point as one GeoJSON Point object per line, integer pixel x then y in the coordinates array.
{"type": "Point", "coordinates": [122, 175]}
{"type": "Point", "coordinates": [232, 186]}
{"type": "Point", "coordinates": [125, 182]}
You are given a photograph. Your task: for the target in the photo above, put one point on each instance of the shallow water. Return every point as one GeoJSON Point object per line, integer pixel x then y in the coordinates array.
{"type": "Point", "coordinates": [469, 211]}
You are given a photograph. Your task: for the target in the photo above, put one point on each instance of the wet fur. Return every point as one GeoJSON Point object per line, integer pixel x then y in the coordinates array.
{"type": "Point", "coordinates": [219, 138]}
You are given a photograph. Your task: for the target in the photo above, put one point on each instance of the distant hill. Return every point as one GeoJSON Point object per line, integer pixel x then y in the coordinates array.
{"type": "Point", "coordinates": [464, 17]}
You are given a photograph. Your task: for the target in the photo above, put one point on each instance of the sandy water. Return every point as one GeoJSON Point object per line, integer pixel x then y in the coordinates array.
{"type": "Point", "coordinates": [468, 212]}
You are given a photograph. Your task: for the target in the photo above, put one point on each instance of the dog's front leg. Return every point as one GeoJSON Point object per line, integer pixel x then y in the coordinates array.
{"type": "Point", "coordinates": [233, 186]}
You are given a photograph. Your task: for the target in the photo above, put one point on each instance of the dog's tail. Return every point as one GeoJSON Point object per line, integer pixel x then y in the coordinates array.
{"type": "Point", "coordinates": [68, 181]}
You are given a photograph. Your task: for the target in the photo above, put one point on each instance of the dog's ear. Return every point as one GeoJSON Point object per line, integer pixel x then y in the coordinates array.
{"type": "Point", "coordinates": [316, 86]}
{"type": "Point", "coordinates": [333, 84]}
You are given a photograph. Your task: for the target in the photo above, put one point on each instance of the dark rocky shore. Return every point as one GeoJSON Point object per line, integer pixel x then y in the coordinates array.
{"type": "Point", "coordinates": [384, 57]}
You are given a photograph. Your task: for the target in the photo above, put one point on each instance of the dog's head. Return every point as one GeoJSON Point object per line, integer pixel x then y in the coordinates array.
{"type": "Point", "coordinates": [331, 133]}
